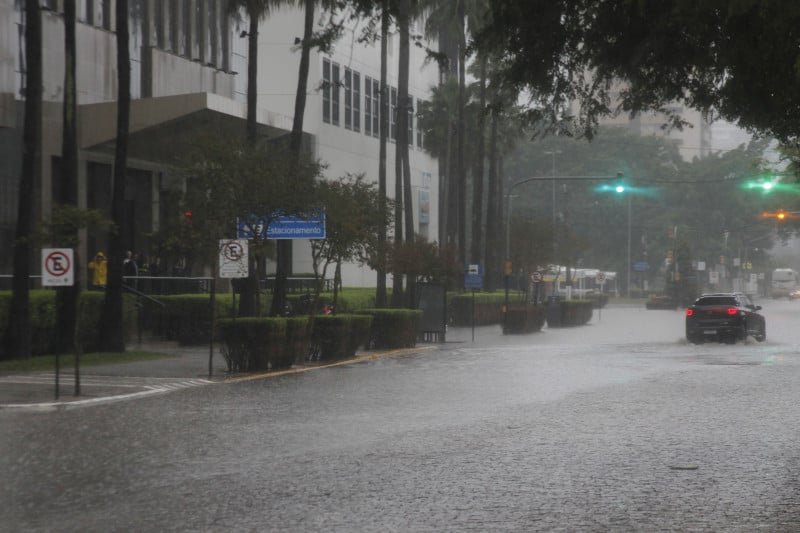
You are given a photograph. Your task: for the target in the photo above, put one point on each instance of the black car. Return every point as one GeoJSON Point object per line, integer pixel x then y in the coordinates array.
{"type": "Point", "coordinates": [724, 317]}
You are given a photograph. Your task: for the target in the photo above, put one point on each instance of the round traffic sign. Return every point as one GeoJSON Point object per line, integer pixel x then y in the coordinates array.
{"type": "Point", "coordinates": [601, 277]}
{"type": "Point", "coordinates": [537, 277]}
{"type": "Point", "coordinates": [57, 264]}
{"type": "Point", "coordinates": [233, 251]}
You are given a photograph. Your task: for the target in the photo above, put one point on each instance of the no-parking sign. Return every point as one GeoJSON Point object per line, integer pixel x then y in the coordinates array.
{"type": "Point", "coordinates": [58, 268]}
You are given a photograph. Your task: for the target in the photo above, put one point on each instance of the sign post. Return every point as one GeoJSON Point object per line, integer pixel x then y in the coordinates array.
{"type": "Point", "coordinates": [600, 278]}
{"type": "Point", "coordinates": [58, 270]}
{"type": "Point", "coordinates": [473, 280]}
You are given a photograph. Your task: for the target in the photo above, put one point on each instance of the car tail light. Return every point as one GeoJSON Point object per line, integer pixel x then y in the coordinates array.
{"type": "Point", "coordinates": [732, 311]}
{"type": "Point", "coordinates": [689, 312]}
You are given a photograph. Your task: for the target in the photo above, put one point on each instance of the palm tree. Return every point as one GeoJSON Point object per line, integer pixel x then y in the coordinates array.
{"type": "Point", "coordinates": [67, 297]}
{"type": "Point", "coordinates": [18, 334]}
{"type": "Point", "coordinates": [111, 331]}
{"type": "Point", "coordinates": [380, 296]}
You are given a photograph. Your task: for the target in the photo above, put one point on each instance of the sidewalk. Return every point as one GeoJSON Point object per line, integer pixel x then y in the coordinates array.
{"type": "Point", "coordinates": [184, 368]}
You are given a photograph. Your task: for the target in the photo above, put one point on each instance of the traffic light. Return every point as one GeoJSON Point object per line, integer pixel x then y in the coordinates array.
{"type": "Point", "coordinates": [780, 215]}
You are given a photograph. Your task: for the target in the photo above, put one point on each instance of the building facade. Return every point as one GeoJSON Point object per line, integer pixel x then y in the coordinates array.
{"type": "Point", "coordinates": [189, 78]}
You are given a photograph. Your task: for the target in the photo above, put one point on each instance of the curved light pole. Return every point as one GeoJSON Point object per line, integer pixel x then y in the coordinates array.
{"type": "Point", "coordinates": [508, 219]}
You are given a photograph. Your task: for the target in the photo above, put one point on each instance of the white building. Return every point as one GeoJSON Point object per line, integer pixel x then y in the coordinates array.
{"type": "Point", "coordinates": [189, 75]}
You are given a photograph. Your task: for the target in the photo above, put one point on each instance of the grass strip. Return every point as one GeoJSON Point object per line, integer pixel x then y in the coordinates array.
{"type": "Point", "coordinates": [48, 362]}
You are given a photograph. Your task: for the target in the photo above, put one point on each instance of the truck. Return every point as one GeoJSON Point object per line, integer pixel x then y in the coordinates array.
{"type": "Point", "coordinates": [784, 282]}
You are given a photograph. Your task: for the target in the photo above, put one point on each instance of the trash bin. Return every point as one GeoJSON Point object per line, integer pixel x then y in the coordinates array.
{"type": "Point", "coordinates": [553, 311]}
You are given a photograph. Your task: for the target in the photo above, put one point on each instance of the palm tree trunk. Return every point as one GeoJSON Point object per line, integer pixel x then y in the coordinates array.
{"type": "Point", "coordinates": [111, 334]}
{"type": "Point", "coordinates": [380, 291]}
{"type": "Point", "coordinates": [477, 183]}
{"type": "Point", "coordinates": [404, 110]}
{"type": "Point", "coordinates": [18, 334]}
{"type": "Point", "coordinates": [248, 305]}
{"type": "Point", "coordinates": [460, 170]}
{"type": "Point", "coordinates": [67, 297]}
{"type": "Point", "coordinates": [284, 246]}
{"type": "Point", "coordinates": [252, 76]}
{"type": "Point", "coordinates": [493, 221]}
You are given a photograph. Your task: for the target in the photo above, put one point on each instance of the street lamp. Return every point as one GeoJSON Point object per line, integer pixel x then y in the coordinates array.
{"type": "Point", "coordinates": [553, 153]}
{"type": "Point", "coordinates": [620, 189]}
{"type": "Point", "coordinates": [508, 217]}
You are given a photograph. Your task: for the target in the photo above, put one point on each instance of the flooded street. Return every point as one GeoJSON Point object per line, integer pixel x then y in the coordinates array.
{"type": "Point", "coordinates": [618, 425]}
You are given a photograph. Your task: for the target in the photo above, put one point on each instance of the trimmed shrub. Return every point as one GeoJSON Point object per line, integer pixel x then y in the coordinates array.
{"type": "Point", "coordinates": [488, 308]}
{"type": "Point", "coordinates": [90, 313]}
{"type": "Point", "coordinates": [298, 340]}
{"type": "Point", "coordinates": [251, 344]}
{"type": "Point", "coordinates": [360, 326]}
{"type": "Point", "coordinates": [393, 328]}
{"type": "Point", "coordinates": [43, 318]}
{"type": "Point", "coordinates": [527, 319]}
{"type": "Point", "coordinates": [572, 313]}
{"type": "Point", "coordinates": [599, 300]}
{"type": "Point", "coordinates": [185, 317]}
{"type": "Point", "coordinates": [331, 337]}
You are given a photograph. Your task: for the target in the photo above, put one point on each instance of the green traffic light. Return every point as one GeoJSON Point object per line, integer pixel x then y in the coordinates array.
{"type": "Point", "coordinates": [620, 188]}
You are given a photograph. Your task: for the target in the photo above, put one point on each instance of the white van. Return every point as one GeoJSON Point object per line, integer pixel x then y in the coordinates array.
{"type": "Point", "coordinates": [784, 281]}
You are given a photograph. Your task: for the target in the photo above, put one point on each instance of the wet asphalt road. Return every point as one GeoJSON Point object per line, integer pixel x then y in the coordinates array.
{"type": "Point", "coordinates": [615, 426]}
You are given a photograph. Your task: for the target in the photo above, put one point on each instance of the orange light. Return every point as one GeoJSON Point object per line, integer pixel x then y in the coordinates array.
{"type": "Point", "coordinates": [781, 216]}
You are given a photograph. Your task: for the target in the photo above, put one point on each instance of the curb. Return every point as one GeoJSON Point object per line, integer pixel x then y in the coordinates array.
{"type": "Point", "coordinates": [371, 356]}
{"type": "Point", "coordinates": [65, 405]}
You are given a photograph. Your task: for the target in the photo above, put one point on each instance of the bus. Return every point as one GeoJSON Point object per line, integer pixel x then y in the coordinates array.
{"type": "Point", "coordinates": [784, 281]}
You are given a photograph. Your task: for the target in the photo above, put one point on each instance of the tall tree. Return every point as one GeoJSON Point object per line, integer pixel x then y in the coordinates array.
{"type": "Point", "coordinates": [255, 11]}
{"type": "Point", "coordinates": [67, 297]}
{"type": "Point", "coordinates": [476, 249]}
{"type": "Point", "coordinates": [284, 246]}
{"type": "Point", "coordinates": [18, 334]}
{"type": "Point", "coordinates": [111, 331]}
{"type": "Point", "coordinates": [380, 297]}
{"type": "Point", "coordinates": [404, 110]}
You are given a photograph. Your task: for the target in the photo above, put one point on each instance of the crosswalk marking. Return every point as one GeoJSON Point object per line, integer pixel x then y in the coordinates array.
{"type": "Point", "coordinates": [140, 387]}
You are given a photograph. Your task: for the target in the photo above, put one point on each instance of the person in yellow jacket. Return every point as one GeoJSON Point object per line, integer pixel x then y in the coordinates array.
{"type": "Point", "coordinates": [99, 268]}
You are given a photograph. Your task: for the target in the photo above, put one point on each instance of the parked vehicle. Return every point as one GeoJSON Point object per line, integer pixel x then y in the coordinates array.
{"type": "Point", "coordinates": [724, 317]}
{"type": "Point", "coordinates": [784, 282]}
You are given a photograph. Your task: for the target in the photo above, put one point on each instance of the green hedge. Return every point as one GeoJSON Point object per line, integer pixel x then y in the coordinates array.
{"type": "Point", "coordinates": [298, 340]}
{"type": "Point", "coordinates": [184, 318]}
{"type": "Point", "coordinates": [251, 344]}
{"type": "Point", "coordinates": [488, 307]}
{"type": "Point", "coordinates": [524, 319]}
{"type": "Point", "coordinates": [571, 313]}
{"type": "Point", "coordinates": [331, 337]}
{"type": "Point", "coordinates": [43, 318]}
{"type": "Point", "coordinates": [599, 300]}
{"type": "Point", "coordinates": [360, 327]}
{"type": "Point", "coordinates": [393, 328]}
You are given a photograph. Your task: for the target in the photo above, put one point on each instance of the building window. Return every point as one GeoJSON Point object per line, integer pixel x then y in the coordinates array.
{"type": "Point", "coordinates": [367, 105]}
{"type": "Point", "coordinates": [174, 36]}
{"type": "Point", "coordinates": [187, 30]}
{"type": "Point", "coordinates": [420, 104]}
{"type": "Point", "coordinates": [348, 97]}
{"type": "Point", "coordinates": [410, 112]}
{"type": "Point", "coordinates": [393, 114]}
{"type": "Point", "coordinates": [335, 83]}
{"type": "Point", "coordinates": [326, 91]}
{"type": "Point", "coordinates": [356, 101]}
{"type": "Point", "coordinates": [376, 109]}
{"type": "Point", "coordinates": [105, 7]}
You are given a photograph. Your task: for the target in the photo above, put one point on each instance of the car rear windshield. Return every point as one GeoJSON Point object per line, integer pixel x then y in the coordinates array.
{"type": "Point", "coordinates": [716, 300]}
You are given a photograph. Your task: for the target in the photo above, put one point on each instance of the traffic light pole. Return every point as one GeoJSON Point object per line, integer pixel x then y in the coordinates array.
{"type": "Point", "coordinates": [553, 179]}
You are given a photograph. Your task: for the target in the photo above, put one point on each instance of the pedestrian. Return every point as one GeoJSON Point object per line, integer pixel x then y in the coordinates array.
{"type": "Point", "coordinates": [129, 267]}
{"type": "Point", "coordinates": [99, 268]}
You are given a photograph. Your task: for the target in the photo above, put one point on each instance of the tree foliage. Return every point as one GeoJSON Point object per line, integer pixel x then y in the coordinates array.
{"type": "Point", "coordinates": [737, 60]}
